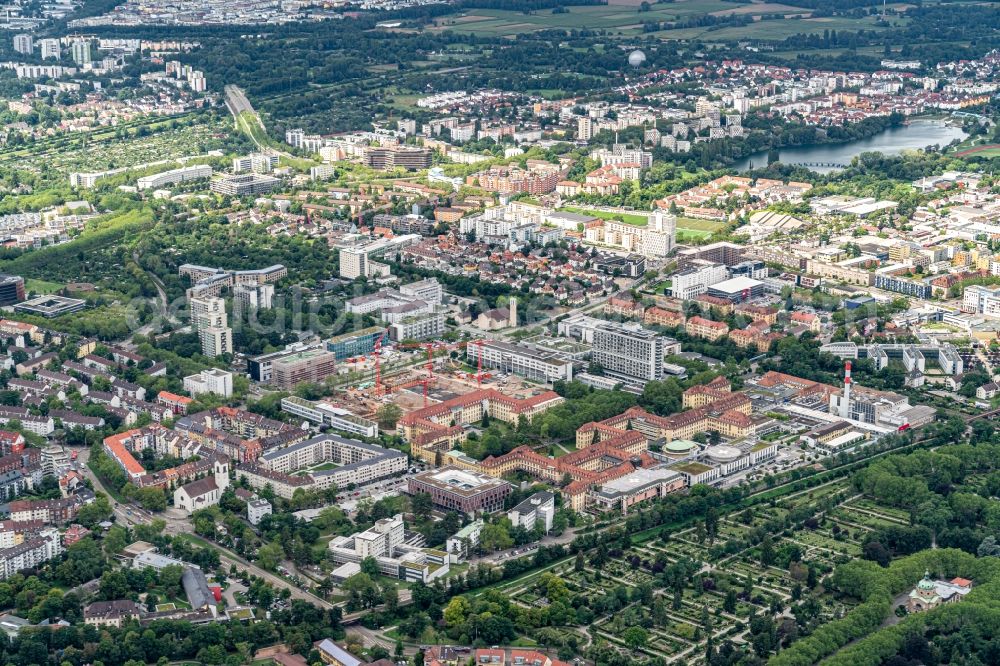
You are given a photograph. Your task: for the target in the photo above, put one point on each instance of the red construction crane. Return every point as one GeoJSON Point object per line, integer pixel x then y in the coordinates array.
{"type": "Point", "coordinates": [430, 347]}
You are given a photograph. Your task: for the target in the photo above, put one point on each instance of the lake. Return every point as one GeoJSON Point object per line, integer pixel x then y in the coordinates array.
{"type": "Point", "coordinates": [893, 141]}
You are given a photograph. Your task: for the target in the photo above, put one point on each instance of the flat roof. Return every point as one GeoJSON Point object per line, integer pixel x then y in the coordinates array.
{"type": "Point", "coordinates": [736, 284]}
{"type": "Point", "coordinates": [51, 305]}
{"type": "Point", "coordinates": [640, 478]}
{"type": "Point", "coordinates": [371, 330]}
{"type": "Point", "coordinates": [459, 480]}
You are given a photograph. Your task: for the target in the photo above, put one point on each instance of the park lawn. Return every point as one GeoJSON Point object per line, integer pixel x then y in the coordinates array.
{"type": "Point", "coordinates": [300, 163]}
{"type": "Point", "coordinates": [41, 286]}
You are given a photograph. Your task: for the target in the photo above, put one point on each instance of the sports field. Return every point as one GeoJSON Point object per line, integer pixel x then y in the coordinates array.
{"type": "Point", "coordinates": [688, 228]}
{"type": "Point", "coordinates": [637, 219]}
{"type": "Point", "coordinates": [986, 150]}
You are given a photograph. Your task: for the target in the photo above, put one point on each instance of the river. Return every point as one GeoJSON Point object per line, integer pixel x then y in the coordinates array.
{"type": "Point", "coordinates": [893, 141]}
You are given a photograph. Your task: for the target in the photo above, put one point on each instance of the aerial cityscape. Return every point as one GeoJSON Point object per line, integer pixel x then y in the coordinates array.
{"type": "Point", "coordinates": [499, 332]}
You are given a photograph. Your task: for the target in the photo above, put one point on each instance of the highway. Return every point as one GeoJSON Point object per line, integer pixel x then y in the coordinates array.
{"type": "Point", "coordinates": [238, 105]}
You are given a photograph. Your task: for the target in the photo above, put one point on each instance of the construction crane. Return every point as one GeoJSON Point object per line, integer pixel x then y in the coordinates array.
{"type": "Point", "coordinates": [382, 389]}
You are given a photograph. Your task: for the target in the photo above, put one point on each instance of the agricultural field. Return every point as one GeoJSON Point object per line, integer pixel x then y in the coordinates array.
{"type": "Point", "coordinates": [625, 18]}
{"type": "Point", "coordinates": [770, 29]}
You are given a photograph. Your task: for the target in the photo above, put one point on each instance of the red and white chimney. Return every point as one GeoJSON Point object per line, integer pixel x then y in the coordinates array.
{"type": "Point", "coordinates": [845, 404]}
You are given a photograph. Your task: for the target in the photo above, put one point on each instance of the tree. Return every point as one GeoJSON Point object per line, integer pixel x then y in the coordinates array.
{"type": "Point", "coordinates": [269, 555]}
{"type": "Point", "coordinates": [635, 638]}
{"type": "Point", "coordinates": [988, 547]}
{"type": "Point", "coordinates": [369, 565]}
{"type": "Point", "coordinates": [495, 536]}
{"type": "Point", "coordinates": [766, 551]}
{"type": "Point", "coordinates": [729, 605]}
{"type": "Point", "coordinates": [421, 505]}
{"type": "Point", "coordinates": [362, 591]}
{"type": "Point", "coordinates": [388, 415]}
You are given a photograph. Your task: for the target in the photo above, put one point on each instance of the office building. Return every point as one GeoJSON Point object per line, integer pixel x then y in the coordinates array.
{"type": "Point", "coordinates": [359, 260]}
{"type": "Point", "coordinates": [324, 413]}
{"type": "Point", "coordinates": [393, 157]}
{"type": "Point", "coordinates": [174, 177]}
{"type": "Point", "coordinates": [541, 365]}
{"type": "Point", "coordinates": [538, 509]}
{"type": "Point", "coordinates": [24, 44]}
{"type": "Point", "coordinates": [11, 289]}
{"type": "Point", "coordinates": [455, 489]}
{"type": "Point", "coordinates": [695, 279]}
{"type": "Point", "coordinates": [311, 366]}
{"type": "Point", "coordinates": [357, 343]}
{"type": "Point", "coordinates": [428, 290]}
{"type": "Point", "coordinates": [639, 486]}
{"type": "Point", "coordinates": [460, 544]}
{"type": "Point", "coordinates": [751, 268]}
{"type": "Point", "coordinates": [385, 542]}
{"type": "Point", "coordinates": [628, 351]}
{"type": "Point", "coordinates": [984, 300]}
{"type": "Point", "coordinates": [429, 325]}
{"type": "Point", "coordinates": [51, 306]}
{"type": "Point", "coordinates": [214, 381]}
{"type": "Point", "coordinates": [737, 290]}
{"type": "Point", "coordinates": [260, 368]}
{"type": "Point", "coordinates": [244, 185]}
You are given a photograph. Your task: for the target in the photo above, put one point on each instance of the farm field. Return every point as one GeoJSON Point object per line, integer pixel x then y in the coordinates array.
{"type": "Point", "coordinates": [624, 17]}
{"type": "Point", "coordinates": [770, 29]}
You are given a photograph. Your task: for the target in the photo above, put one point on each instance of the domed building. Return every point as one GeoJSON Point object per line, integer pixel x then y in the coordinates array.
{"type": "Point", "coordinates": [929, 594]}
{"type": "Point", "coordinates": [678, 449]}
